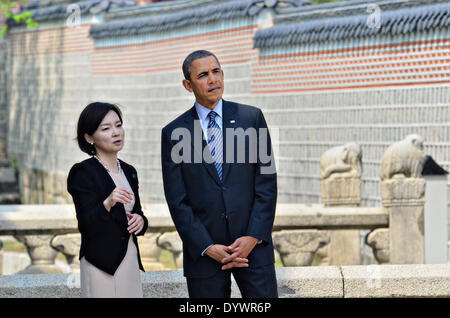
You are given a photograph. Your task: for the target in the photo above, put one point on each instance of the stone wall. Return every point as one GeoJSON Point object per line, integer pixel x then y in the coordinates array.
{"type": "Point", "coordinates": [47, 70]}
{"type": "Point", "coordinates": [373, 88]}
{"type": "Point", "coordinates": [3, 104]}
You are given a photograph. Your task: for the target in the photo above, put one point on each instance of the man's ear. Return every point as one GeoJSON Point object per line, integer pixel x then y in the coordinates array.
{"type": "Point", "coordinates": [89, 139]}
{"type": "Point", "coordinates": [187, 85]}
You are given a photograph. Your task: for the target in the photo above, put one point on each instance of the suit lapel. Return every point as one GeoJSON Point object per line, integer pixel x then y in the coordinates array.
{"type": "Point", "coordinates": [230, 121]}
{"type": "Point", "coordinates": [106, 178]}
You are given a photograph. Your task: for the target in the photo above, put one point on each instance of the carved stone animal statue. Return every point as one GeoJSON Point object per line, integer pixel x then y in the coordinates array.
{"type": "Point", "coordinates": [405, 157]}
{"type": "Point", "coordinates": [341, 159]}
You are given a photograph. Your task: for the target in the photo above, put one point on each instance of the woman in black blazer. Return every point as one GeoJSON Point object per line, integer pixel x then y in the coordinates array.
{"type": "Point", "coordinates": [105, 193]}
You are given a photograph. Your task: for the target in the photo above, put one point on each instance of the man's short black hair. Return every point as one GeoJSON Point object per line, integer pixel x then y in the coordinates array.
{"type": "Point", "coordinates": [90, 118]}
{"type": "Point", "coordinates": [192, 57]}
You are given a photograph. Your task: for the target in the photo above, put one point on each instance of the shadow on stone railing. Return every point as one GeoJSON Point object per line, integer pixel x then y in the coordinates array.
{"type": "Point", "coordinates": [330, 231]}
{"type": "Point", "coordinates": [430, 280]}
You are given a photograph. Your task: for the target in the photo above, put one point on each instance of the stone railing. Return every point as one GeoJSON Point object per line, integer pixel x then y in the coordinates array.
{"type": "Point", "coordinates": [299, 231]}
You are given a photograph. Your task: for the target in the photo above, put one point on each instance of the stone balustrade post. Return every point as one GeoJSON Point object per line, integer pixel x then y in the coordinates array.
{"type": "Point", "coordinates": [403, 194]}
{"type": "Point", "coordinates": [41, 253]}
{"type": "Point", "coordinates": [340, 169]}
{"type": "Point", "coordinates": [404, 199]}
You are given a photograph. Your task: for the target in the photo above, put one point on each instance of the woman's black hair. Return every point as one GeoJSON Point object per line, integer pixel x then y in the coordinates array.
{"type": "Point", "coordinates": [90, 118]}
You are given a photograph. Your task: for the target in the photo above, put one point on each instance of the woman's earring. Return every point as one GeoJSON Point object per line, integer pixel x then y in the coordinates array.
{"type": "Point", "coordinates": [92, 143]}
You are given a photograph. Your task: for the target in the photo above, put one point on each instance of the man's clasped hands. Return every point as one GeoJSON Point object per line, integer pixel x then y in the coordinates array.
{"type": "Point", "coordinates": [234, 255]}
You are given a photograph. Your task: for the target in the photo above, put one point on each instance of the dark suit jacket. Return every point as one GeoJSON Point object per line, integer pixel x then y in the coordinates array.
{"type": "Point", "coordinates": [104, 235]}
{"type": "Point", "coordinates": [207, 211]}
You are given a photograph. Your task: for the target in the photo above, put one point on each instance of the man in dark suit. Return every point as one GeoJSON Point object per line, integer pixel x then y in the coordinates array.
{"type": "Point", "coordinates": [221, 188]}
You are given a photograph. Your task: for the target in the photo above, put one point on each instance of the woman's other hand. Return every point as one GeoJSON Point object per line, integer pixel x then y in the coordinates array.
{"type": "Point", "coordinates": [135, 224]}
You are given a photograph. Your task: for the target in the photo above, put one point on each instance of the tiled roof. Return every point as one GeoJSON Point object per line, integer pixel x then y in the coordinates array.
{"type": "Point", "coordinates": [155, 16]}
{"type": "Point", "coordinates": [196, 15]}
{"type": "Point", "coordinates": [57, 10]}
{"type": "Point", "coordinates": [390, 22]}
{"type": "Point", "coordinates": [154, 23]}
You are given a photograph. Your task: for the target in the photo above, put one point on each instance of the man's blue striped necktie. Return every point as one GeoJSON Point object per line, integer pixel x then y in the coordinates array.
{"type": "Point", "coordinates": [215, 142]}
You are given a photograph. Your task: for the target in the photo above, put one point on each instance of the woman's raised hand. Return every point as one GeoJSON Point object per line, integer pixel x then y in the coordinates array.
{"type": "Point", "coordinates": [118, 195]}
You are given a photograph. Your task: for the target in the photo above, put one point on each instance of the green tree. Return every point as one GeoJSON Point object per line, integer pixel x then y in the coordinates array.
{"type": "Point", "coordinates": [7, 10]}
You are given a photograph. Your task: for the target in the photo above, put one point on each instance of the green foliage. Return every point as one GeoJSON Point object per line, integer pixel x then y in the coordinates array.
{"type": "Point", "coordinates": [6, 10]}
{"type": "Point", "coordinates": [14, 163]}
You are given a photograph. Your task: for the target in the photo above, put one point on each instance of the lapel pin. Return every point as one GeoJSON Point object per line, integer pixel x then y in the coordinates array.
{"type": "Point", "coordinates": [232, 121]}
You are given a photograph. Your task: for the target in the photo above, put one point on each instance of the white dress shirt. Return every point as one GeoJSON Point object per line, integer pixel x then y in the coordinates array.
{"type": "Point", "coordinates": [203, 112]}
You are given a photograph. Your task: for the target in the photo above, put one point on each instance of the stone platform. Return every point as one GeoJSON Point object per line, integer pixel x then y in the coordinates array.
{"type": "Point", "coordinates": [314, 282]}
